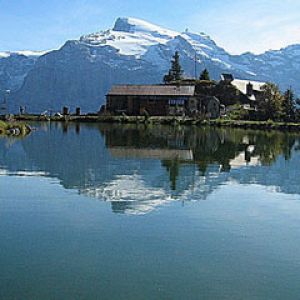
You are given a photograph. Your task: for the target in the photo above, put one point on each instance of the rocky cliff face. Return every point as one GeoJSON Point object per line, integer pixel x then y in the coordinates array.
{"type": "Point", "coordinates": [81, 72]}
{"type": "Point", "coordinates": [13, 69]}
{"type": "Point", "coordinates": [79, 75]}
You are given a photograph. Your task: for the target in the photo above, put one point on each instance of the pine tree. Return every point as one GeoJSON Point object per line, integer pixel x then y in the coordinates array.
{"type": "Point", "coordinates": [175, 73]}
{"type": "Point", "coordinates": [168, 78]}
{"type": "Point", "coordinates": [205, 75]}
{"type": "Point", "coordinates": [176, 70]}
{"type": "Point", "coordinates": [289, 105]}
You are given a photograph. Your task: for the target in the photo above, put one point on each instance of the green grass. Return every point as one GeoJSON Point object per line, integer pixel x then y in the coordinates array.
{"type": "Point", "coordinates": [173, 120]}
{"type": "Point", "coordinates": [5, 126]}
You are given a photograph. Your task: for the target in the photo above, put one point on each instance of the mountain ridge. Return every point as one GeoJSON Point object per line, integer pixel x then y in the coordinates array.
{"type": "Point", "coordinates": [81, 72]}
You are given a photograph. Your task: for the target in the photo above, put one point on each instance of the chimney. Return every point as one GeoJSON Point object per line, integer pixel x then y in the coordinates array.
{"type": "Point", "coordinates": [249, 89]}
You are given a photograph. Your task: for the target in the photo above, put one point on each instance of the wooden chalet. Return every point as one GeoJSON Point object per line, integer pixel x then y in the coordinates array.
{"type": "Point", "coordinates": [156, 100]}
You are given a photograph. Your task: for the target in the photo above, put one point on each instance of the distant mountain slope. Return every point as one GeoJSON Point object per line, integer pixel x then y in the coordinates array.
{"type": "Point", "coordinates": [14, 67]}
{"type": "Point", "coordinates": [81, 72]}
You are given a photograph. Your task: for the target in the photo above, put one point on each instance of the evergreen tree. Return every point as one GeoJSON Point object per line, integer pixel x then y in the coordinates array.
{"type": "Point", "coordinates": [289, 105]}
{"type": "Point", "coordinates": [175, 73]}
{"type": "Point", "coordinates": [176, 70]}
{"type": "Point", "coordinates": [205, 75]}
{"type": "Point", "coordinates": [168, 78]}
{"type": "Point", "coordinates": [271, 107]}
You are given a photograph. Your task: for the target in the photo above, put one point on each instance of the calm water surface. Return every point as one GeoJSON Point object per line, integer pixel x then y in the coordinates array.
{"type": "Point", "coordinates": [112, 212]}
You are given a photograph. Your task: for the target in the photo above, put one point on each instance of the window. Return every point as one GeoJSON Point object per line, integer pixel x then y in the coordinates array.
{"type": "Point", "coordinates": [176, 102]}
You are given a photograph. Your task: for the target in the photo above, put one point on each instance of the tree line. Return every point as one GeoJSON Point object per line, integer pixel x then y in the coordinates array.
{"type": "Point", "coordinates": [273, 104]}
{"type": "Point", "coordinates": [176, 72]}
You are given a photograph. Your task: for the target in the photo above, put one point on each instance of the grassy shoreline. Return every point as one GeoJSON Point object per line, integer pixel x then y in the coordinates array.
{"type": "Point", "coordinates": [13, 129]}
{"type": "Point", "coordinates": [167, 120]}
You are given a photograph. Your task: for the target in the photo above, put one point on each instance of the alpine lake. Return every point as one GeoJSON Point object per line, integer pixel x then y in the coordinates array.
{"type": "Point", "coordinates": [103, 211]}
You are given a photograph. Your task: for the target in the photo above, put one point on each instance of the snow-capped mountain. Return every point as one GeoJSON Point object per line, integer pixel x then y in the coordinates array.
{"type": "Point", "coordinates": [131, 37]}
{"type": "Point", "coordinates": [134, 51]}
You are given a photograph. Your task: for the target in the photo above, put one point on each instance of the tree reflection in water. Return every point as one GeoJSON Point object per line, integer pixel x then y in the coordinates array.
{"type": "Point", "coordinates": [139, 167]}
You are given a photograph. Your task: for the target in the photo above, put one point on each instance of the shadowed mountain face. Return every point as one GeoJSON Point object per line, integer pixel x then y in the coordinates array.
{"type": "Point", "coordinates": [77, 75]}
{"type": "Point", "coordinates": [13, 70]}
{"type": "Point", "coordinates": [139, 168]}
{"type": "Point", "coordinates": [135, 52]}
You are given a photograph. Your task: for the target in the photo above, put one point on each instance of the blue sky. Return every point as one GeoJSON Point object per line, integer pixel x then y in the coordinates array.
{"type": "Point", "coordinates": [238, 26]}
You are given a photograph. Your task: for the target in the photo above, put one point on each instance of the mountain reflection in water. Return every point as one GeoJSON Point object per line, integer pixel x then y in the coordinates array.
{"type": "Point", "coordinates": [139, 168]}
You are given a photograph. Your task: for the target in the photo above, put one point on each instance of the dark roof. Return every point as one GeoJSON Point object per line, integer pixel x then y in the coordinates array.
{"type": "Point", "coordinates": [152, 90]}
{"type": "Point", "coordinates": [227, 77]}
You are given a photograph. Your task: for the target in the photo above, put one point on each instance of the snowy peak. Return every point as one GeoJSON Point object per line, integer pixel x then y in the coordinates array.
{"type": "Point", "coordinates": [133, 25]}
{"type": "Point", "coordinates": [130, 36]}
{"type": "Point", "coordinates": [122, 24]}
{"type": "Point", "coordinates": [136, 37]}
{"type": "Point", "coordinates": [200, 39]}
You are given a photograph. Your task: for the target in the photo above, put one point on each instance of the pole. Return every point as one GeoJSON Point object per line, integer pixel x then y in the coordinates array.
{"type": "Point", "coordinates": [195, 64]}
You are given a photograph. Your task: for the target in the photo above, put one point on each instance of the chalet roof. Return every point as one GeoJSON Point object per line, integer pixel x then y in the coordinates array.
{"type": "Point", "coordinates": [241, 85]}
{"type": "Point", "coordinates": [227, 77]}
{"type": "Point", "coordinates": [152, 90]}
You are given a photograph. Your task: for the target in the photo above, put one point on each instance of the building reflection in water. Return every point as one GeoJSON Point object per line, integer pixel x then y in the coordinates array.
{"type": "Point", "coordinates": [139, 168]}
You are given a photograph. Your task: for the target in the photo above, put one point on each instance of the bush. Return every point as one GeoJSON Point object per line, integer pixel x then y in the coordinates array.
{"type": "Point", "coordinates": [23, 129]}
